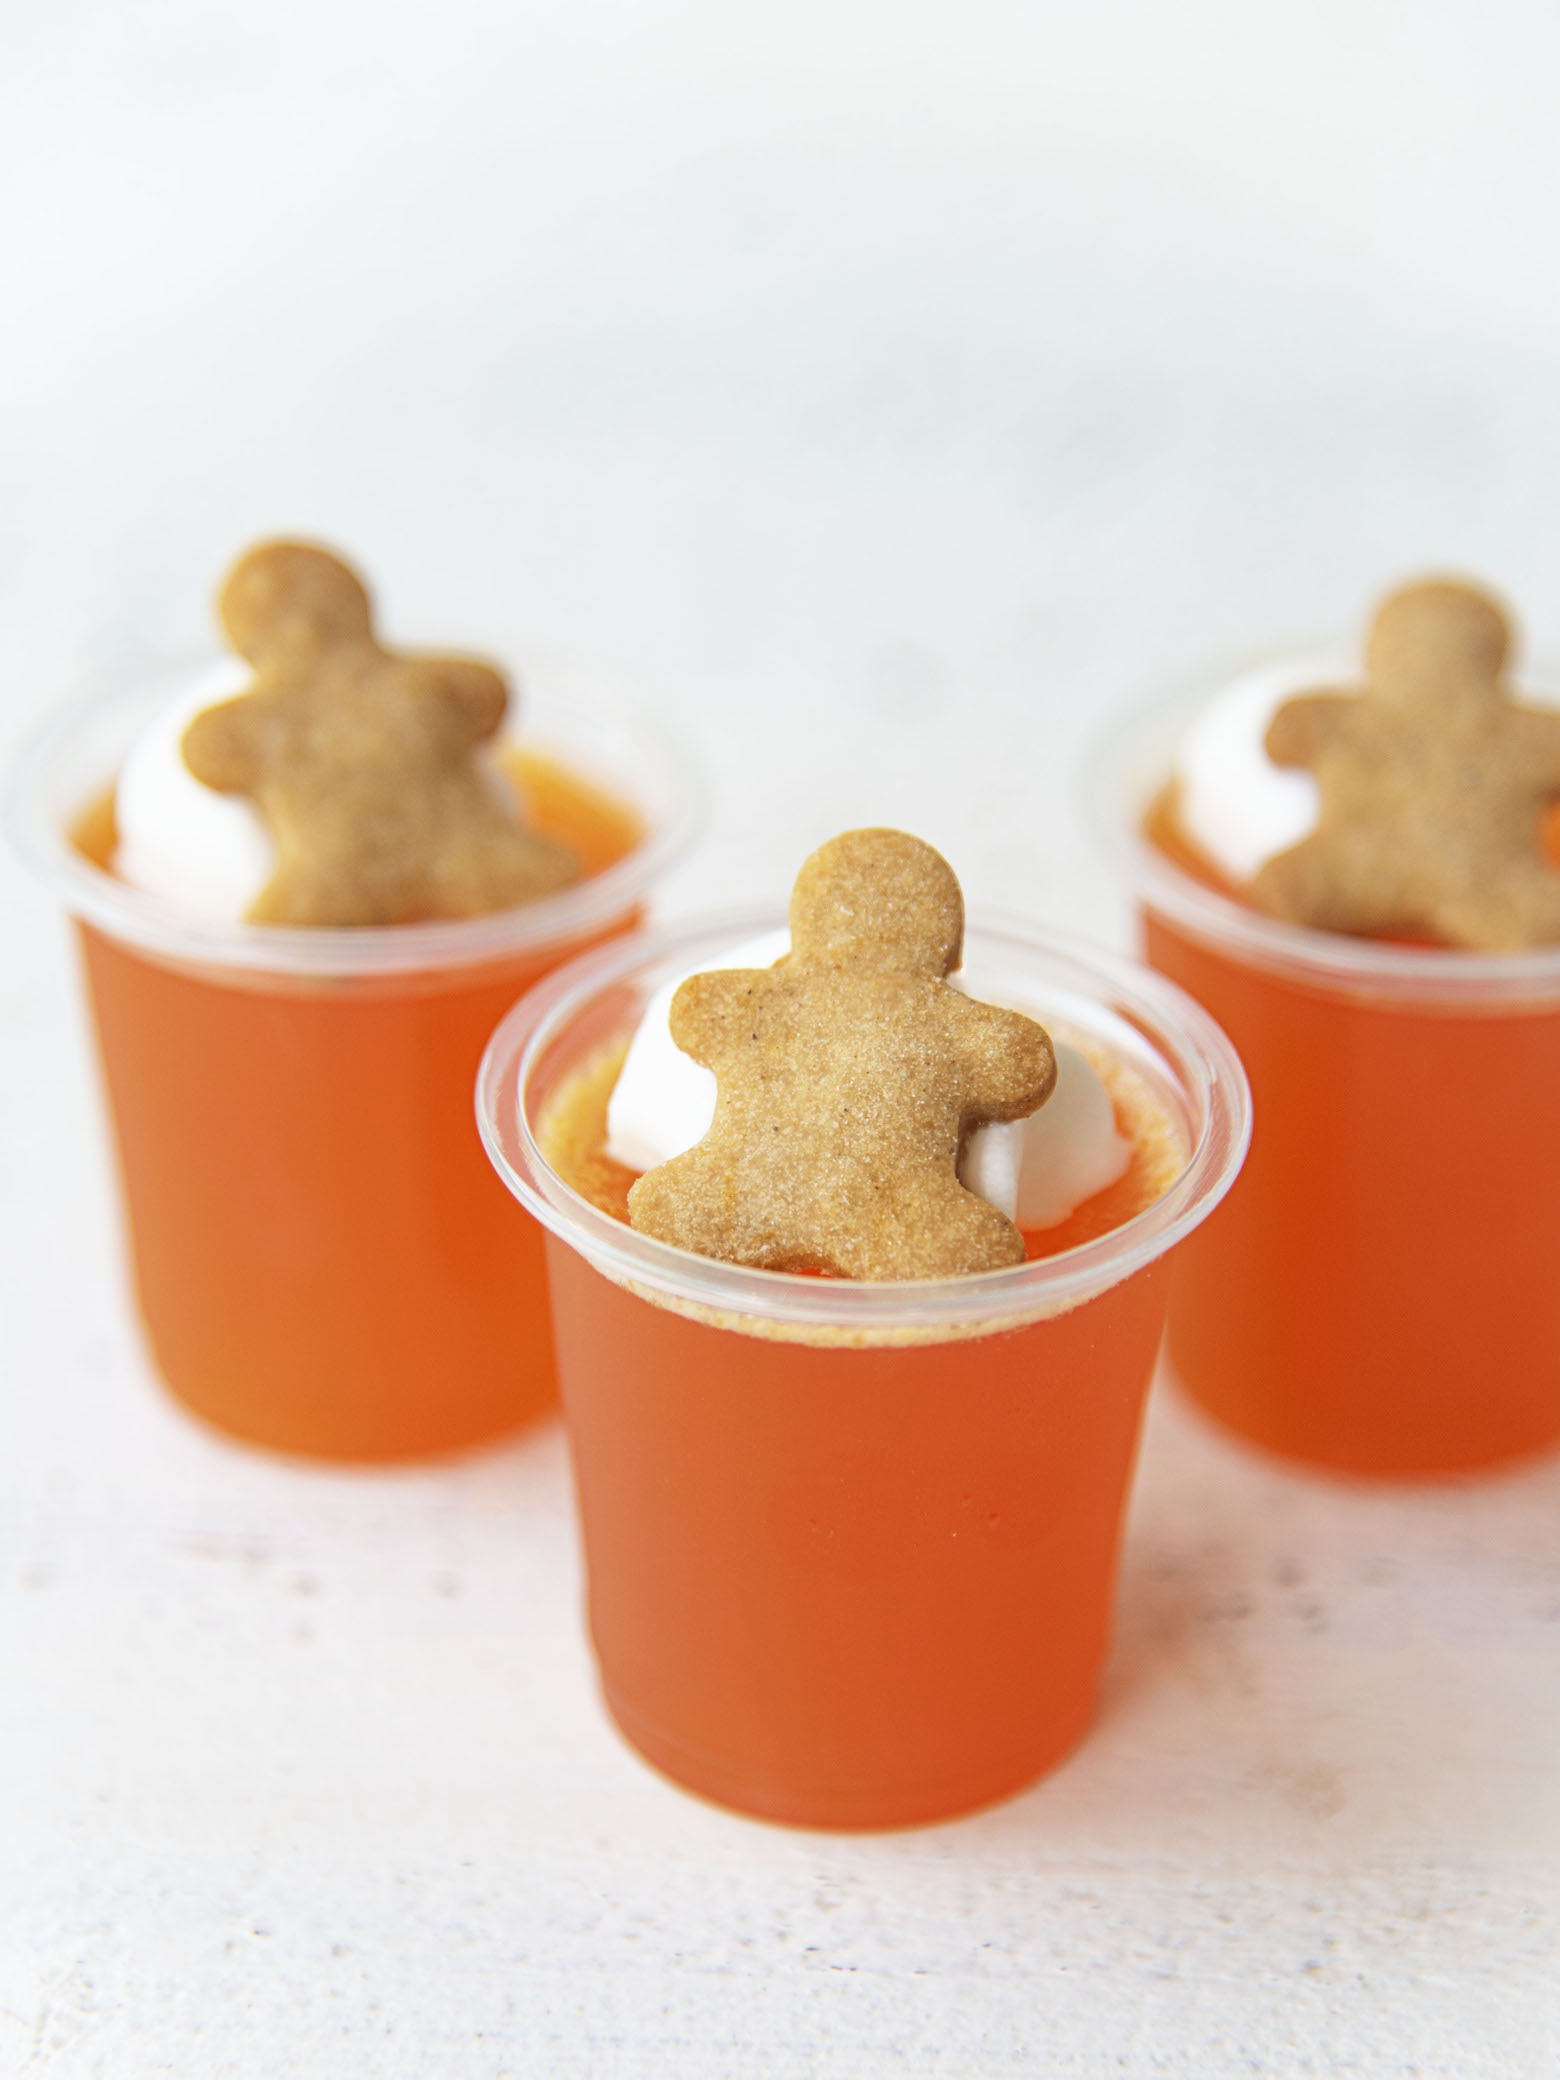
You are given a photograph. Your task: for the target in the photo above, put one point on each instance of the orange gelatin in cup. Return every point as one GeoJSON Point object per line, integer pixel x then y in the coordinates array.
{"type": "Point", "coordinates": [850, 1547]}
{"type": "Point", "coordinates": [1374, 1295]}
{"type": "Point", "coordinates": [323, 1259]}
{"type": "Point", "coordinates": [851, 1587]}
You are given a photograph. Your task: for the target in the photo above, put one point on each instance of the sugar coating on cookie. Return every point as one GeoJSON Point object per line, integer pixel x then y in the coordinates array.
{"type": "Point", "coordinates": [363, 761]}
{"type": "Point", "coordinates": [1433, 783]}
{"type": "Point", "coordinates": [847, 1076]}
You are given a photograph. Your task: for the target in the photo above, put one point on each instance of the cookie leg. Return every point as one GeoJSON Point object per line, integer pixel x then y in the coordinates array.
{"type": "Point", "coordinates": [1521, 909]}
{"type": "Point", "coordinates": [940, 1230]}
{"type": "Point", "coordinates": [486, 862]}
{"type": "Point", "coordinates": [1305, 886]}
{"type": "Point", "coordinates": [686, 1203]}
{"type": "Point", "coordinates": [327, 890]}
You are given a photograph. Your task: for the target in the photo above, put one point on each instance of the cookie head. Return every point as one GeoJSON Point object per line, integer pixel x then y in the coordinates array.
{"type": "Point", "coordinates": [292, 598]}
{"type": "Point", "coordinates": [1435, 643]}
{"type": "Point", "coordinates": [879, 898]}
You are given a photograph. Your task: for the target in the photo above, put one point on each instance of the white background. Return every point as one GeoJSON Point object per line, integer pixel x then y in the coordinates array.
{"type": "Point", "coordinates": [899, 391]}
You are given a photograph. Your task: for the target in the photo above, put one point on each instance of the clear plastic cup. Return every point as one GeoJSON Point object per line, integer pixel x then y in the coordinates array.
{"type": "Point", "coordinates": [850, 1548]}
{"type": "Point", "coordinates": [1375, 1295]}
{"type": "Point", "coordinates": [323, 1260]}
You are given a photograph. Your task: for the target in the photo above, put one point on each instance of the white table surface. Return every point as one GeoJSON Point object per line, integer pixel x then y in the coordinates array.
{"type": "Point", "coordinates": [900, 391]}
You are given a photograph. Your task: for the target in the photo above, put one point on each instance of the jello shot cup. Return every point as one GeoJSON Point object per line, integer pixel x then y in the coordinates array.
{"type": "Point", "coordinates": [1377, 1293]}
{"type": "Point", "coordinates": [323, 1260]}
{"type": "Point", "coordinates": [850, 1548]}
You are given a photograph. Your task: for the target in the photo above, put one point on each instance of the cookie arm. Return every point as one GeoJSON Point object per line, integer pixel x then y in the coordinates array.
{"type": "Point", "coordinates": [476, 693]}
{"type": "Point", "coordinates": [1011, 1063]}
{"type": "Point", "coordinates": [1542, 734]}
{"type": "Point", "coordinates": [1302, 726]}
{"type": "Point", "coordinates": [712, 1014]}
{"type": "Point", "coordinates": [221, 748]}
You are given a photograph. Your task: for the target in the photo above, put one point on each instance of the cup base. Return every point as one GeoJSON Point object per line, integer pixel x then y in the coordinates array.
{"type": "Point", "coordinates": [1403, 1460]}
{"type": "Point", "coordinates": [1373, 1296]}
{"type": "Point", "coordinates": [360, 1440]}
{"type": "Point", "coordinates": [847, 1808]}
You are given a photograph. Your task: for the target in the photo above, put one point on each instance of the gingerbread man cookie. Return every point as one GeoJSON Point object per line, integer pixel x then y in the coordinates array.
{"type": "Point", "coordinates": [847, 1075]}
{"type": "Point", "coordinates": [362, 760]}
{"type": "Point", "coordinates": [1433, 784]}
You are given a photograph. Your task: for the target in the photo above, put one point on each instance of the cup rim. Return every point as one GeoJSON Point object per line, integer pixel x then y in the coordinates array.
{"type": "Point", "coordinates": [670, 798]}
{"type": "Point", "coordinates": [1130, 768]}
{"type": "Point", "coordinates": [1187, 1042]}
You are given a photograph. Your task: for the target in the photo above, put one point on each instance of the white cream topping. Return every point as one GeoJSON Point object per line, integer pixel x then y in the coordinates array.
{"type": "Point", "coordinates": [1068, 1150]}
{"type": "Point", "coordinates": [210, 853]}
{"type": "Point", "coordinates": [1036, 1171]}
{"type": "Point", "coordinates": [1232, 802]}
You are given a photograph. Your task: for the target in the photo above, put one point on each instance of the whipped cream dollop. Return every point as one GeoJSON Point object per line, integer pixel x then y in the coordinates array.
{"type": "Point", "coordinates": [1232, 802]}
{"type": "Point", "coordinates": [1036, 1171]}
{"type": "Point", "coordinates": [210, 853]}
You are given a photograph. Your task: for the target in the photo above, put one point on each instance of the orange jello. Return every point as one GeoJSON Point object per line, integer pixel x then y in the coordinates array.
{"type": "Point", "coordinates": [1374, 1295]}
{"type": "Point", "coordinates": [323, 1260]}
{"type": "Point", "coordinates": [850, 1547]}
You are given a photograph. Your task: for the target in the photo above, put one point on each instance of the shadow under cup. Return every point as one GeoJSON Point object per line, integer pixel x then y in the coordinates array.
{"type": "Point", "coordinates": [850, 1548]}
{"type": "Point", "coordinates": [323, 1260]}
{"type": "Point", "coordinates": [1377, 1294]}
